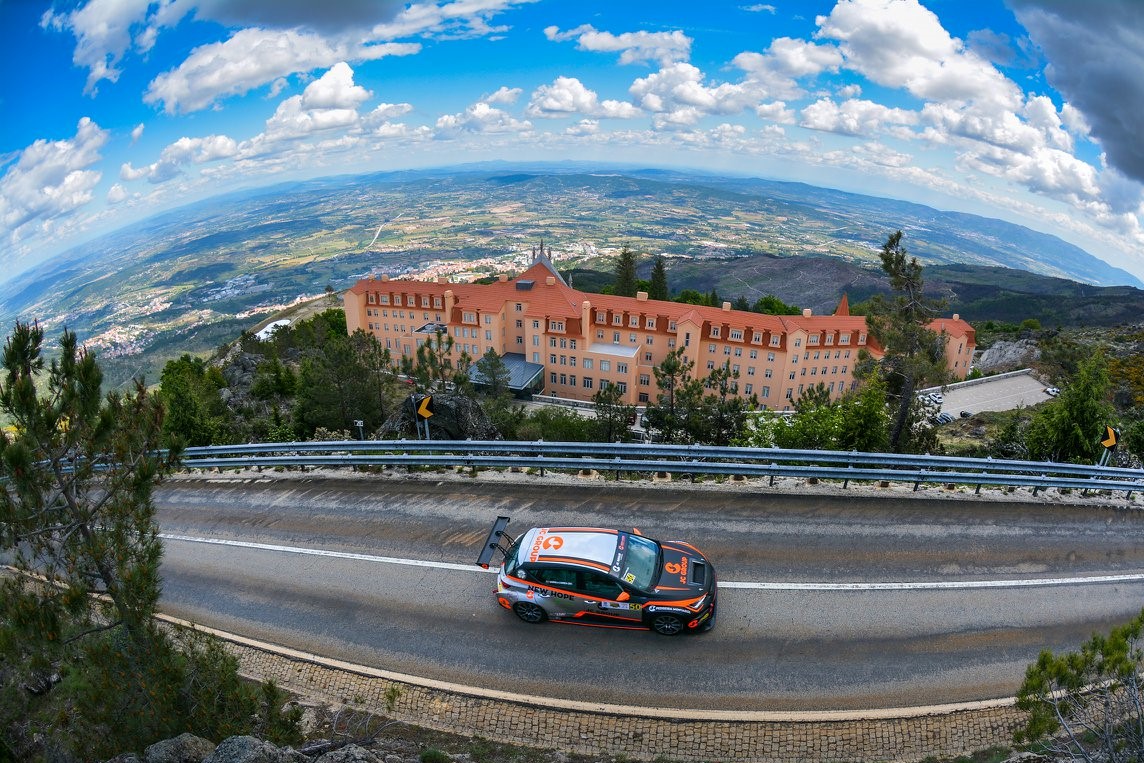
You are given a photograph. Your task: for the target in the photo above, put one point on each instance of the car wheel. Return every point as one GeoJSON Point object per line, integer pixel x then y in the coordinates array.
{"type": "Point", "coordinates": [666, 625]}
{"type": "Point", "coordinates": [530, 612]}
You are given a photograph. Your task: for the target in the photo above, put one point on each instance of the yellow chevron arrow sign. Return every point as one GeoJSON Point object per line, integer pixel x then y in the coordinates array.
{"type": "Point", "coordinates": [1110, 440]}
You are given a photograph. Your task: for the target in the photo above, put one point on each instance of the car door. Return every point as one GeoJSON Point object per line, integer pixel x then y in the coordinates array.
{"type": "Point", "coordinates": [560, 594]}
{"type": "Point", "coordinates": [605, 592]}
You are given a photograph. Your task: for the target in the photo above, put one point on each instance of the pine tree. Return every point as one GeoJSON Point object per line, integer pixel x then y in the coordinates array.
{"type": "Point", "coordinates": [625, 285]}
{"type": "Point", "coordinates": [914, 356]}
{"type": "Point", "coordinates": [658, 287]}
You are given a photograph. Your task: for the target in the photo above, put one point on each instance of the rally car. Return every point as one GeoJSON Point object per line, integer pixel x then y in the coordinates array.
{"type": "Point", "coordinates": [602, 577]}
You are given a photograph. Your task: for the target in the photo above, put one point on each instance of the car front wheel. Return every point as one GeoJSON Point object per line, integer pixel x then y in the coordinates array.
{"type": "Point", "coordinates": [529, 612]}
{"type": "Point", "coordinates": [666, 625]}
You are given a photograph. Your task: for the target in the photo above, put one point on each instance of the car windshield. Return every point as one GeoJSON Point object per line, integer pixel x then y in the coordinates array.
{"type": "Point", "coordinates": [641, 563]}
{"type": "Point", "coordinates": [511, 560]}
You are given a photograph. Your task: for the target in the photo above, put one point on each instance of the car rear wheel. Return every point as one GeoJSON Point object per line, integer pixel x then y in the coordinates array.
{"type": "Point", "coordinates": [666, 625]}
{"type": "Point", "coordinates": [530, 612]}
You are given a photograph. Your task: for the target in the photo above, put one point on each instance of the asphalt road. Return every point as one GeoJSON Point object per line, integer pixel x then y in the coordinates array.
{"type": "Point", "coordinates": [848, 643]}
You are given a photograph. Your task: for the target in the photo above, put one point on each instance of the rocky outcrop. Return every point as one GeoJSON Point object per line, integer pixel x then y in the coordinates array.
{"type": "Point", "coordinates": [185, 748]}
{"type": "Point", "coordinates": [1008, 356]}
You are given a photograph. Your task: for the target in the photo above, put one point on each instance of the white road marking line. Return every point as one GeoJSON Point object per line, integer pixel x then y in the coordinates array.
{"type": "Point", "coordinates": [332, 554]}
{"type": "Point", "coordinates": [893, 586]}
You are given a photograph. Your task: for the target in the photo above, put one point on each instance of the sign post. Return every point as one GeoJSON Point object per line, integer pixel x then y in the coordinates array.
{"type": "Point", "coordinates": [1111, 438]}
{"type": "Point", "coordinates": [424, 410]}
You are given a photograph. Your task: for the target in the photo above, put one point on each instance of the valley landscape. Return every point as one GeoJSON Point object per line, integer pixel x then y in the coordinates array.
{"type": "Point", "coordinates": [190, 280]}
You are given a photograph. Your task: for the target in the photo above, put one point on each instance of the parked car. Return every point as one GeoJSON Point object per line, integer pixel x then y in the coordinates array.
{"type": "Point", "coordinates": [602, 577]}
{"type": "Point", "coordinates": [943, 418]}
{"type": "Point", "coordinates": [1052, 391]}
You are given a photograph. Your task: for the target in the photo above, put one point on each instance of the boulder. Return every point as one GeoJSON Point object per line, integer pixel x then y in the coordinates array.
{"type": "Point", "coordinates": [247, 749]}
{"type": "Point", "coordinates": [1008, 356]}
{"type": "Point", "coordinates": [185, 748]}
{"type": "Point", "coordinates": [351, 753]}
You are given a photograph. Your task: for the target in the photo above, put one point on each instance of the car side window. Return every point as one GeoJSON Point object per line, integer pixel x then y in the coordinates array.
{"type": "Point", "coordinates": [595, 584]}
{"type": "Point", "coordinates": [555, 577]}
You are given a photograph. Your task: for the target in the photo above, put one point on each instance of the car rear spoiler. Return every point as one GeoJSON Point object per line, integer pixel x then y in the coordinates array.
{"type": "Point", "coordinates": [493, 542]}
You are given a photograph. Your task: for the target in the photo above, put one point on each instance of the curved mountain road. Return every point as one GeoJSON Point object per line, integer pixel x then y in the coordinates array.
{"type": "Point", "coordinates": [983, 587]}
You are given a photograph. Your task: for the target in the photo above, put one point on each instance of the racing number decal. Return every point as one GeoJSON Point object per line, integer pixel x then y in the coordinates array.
{"type": "Point", "coordinates": [553, 542]}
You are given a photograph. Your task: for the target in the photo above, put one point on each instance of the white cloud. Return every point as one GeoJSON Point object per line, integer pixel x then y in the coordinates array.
{"type": "Point", "coordinates": [677, 96]}
{"type": "Point", "coordinates": [480, 117]}
{"type": "Point", "coordinates": [567, 96]}
{"type": "Point", "coordinates": [137, 132]}
{"type": "Point", "coordinates": [116, 194]}
{"type": "Point", "coordinates": [775, 112]}
{"type": "Point", "coordinates": [760, 8]}
{"type": "Point", "coordinates": [252, 58]}
{"type": "Point", "coordinates": [633, 47]}
{"type": "Point", "coordinates": [180, 153]}
{"type": "Point", "coordinates": [50, 180]}
{"type": "Point", "coordinates": [102, 29]}
{"type": "Point", "coordinates": [854, 117]}
{"type": "Point", "coordinates": [900, 44]}
{"type": "Point", "coordinates": [505, 95]}
{"type": "Point", "coordinates": [775, 73]}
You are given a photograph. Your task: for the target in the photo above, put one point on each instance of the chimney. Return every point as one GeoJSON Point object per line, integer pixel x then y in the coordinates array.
{"type": "Point", "coordinates": [726, 307]}
{"type": "Point", "coordinates": [806, 312]}
{"type": "Point", "coordinates": [585, 316]}
{"type": "Point", "coordinates": [551, 280]}
{"type": "Point", "coordinates": [384, 277]}
{"type": "Point", "coordinates": [450, 300]}
{"type": "Point", "coordinates": [502, 278]}
{"type": "Point", "coordinates": [641, 296]}
{"type": "Point", "coordinates": [956, 317]}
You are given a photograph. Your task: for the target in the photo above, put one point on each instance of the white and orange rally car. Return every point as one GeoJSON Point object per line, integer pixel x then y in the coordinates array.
{"type": "Point", "coordinates": [602, 577]}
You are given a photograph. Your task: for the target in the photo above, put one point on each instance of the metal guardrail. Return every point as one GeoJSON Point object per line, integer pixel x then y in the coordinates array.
{"type": "Point", "coordinates": [678, 459]}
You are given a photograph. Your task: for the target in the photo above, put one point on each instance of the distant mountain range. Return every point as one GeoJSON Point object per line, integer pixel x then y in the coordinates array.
{"type": "Point", "coordinates": [188, 280]}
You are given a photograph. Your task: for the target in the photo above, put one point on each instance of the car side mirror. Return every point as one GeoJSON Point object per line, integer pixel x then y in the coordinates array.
{"type": "Point", "coordinates": [624, 596]}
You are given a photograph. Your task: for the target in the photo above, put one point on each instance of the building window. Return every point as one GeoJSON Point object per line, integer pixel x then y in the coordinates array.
{"type": "Point", "coordinates": [552, 359]}
{"type": "Point", "coordinates": [750, 370]}
{"type": "Point", "coordinates": [469, 317]}
{"type": "Point", "coordinates": [488, 320]}
{"type": "Point", "coordinates": [647, 357]}
{"type": "Point", "coordinates": [556, 326]}
{"type": "Point", "coordinates": [775, 340]}
{"type": "Point", "coordinates": [748, 389]}
{"type": "Point", "coordinates": [767, 372]}
{"type": "Point", "coordinates": [792, 376]}
{"type": "Point", "coordinates": [587, 362]}
{"type": "Point", "coordinates": [632, 338]}
{"type": "Point", "coordinates": [536, 357]}
{"type": "Point", "coordinates": [615, 337]}
{"type": "Point", "coordinates": [384, 299]}
{"type": "Point", "coordinates": [601, 316]}
{"type": "Point", "coordinates": [715, 331]}
{"type": "Point", "coordinates": [520, 340]}
{"type": "Point", "coordinates": [757, 337]}
{"type": "Point", "coordinates": [634, 321]}
{"type": "Point", "coordinates": [518, 307]}
{"type": "Point", "coordinates": [536, 340]}
{"type": "Point", "coordinates": [861, 339]}
{"type": "Point", "coordinates": [488, 336]}
{"type": "Point", "coordinates": [617, 320]}
{"type": "Point", "coordinates": [829, 339]}
{"type": "Point", "coordinates": [599, 333]}
{"type": "Point", "coordinates": [587, 382]}
{"type": "Point", "coordinates": [651, 325]}
{"type": "Point", "coordinates": [536, 325]}
{"type": "Point", "coordinates": [727, 350]}
{"type": "Point", "coordinates": [738, 352]}
{"type": "Point", "coordinates": [552, 376]}
{"type": "Point", "coordinates": [564, 379]}
{"type": "Point", "coordinates": [621, 368]}
{"type": "Point", "coordinates": [671, 325]}
{"type": "Point", "coordinates": [765, 392]}
{"type": "Point", "coordinates": [671, 343]}
{"type": "Point", "coordinates": [711, 349]}
{"type": "Point", "coordinates": [571, 360]}
{"type": "Point", "coordinates": [623, 386]}
{"type": "Point", "coordinates": [798, 342]}
{"type": "Point", "coordinates": [710, 365]}
{"type": "Point", "coordinates": [650, 340]}
{"type": "Point", "coordinates": [812, 339]}
{"type": "Point", "coordinates": [789, 393]}
{"type": "Point", "coordinates": [754, 354]}
{"type": "Point", "coordinates": [605, 365]}
{"type": "Point", "coordinates": [645, 380]}
{"type": "Point", "coordinates": [644, 397]}
{"type": "Point", "coordinates": [737, 335]}
{"type": "Point", "coordinates": [844, 339]}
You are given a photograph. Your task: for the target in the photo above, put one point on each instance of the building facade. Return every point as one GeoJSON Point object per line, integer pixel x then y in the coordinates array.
{"type": "Point", "coordinates": [573, 343]}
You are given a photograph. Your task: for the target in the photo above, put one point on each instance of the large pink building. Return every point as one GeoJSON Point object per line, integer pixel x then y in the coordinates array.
{"type": "Point", "coordinates": [570, 343]}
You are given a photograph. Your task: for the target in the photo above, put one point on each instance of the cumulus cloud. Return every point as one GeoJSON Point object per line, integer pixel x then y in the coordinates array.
{"type": "Point", "coordinates": [900, 44]}
{"type": "Point", "coordinates": [1094, 61]}
{"type": "Point", "coordinates": [567, 96]}
{"type": "Point", "coordinates": [102, 29]}
{"type": "Point", "coordinates": [775, 73]}
{"type": "Point", "coordinates": [506, 95]}
{"type": "Point", "coordinates": [854, 117]}
{"type": "Point", "coordinates": [251, 58]}
{"type": "Point", "coordinates": [137, 132]}
{"type": "Point", "coordinates": [50, 180]}
{"type": "Point", "coordinates": [677, 95]}
{"type": "Point", "coordinates": [633, 47]}
{"type": "Point", "coordinates": [116, 194]}
{"type": "Point", "coordinates": [182, 152]}
{"type": "Point", "coordinates": [481, 117]}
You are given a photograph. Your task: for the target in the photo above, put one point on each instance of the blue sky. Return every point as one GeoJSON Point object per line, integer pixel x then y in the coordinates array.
{"type": "Point", "coordinates": [1026, 110]}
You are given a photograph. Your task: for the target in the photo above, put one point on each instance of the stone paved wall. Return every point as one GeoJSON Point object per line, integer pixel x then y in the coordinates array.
{"type": "Point", "coordinates": [635, 734]}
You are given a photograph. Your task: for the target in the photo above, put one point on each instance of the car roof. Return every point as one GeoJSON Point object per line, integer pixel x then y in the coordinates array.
{"type": "Point", "coordinates": [586, 546]}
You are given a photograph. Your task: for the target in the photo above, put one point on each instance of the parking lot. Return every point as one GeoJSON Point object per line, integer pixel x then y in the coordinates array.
{"type": "Point", "coordinates": [998, 393]}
